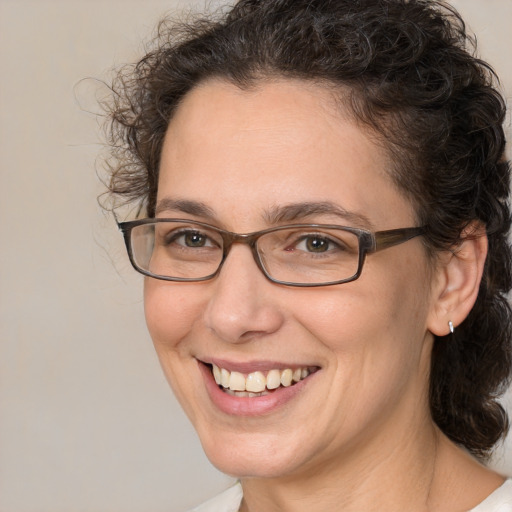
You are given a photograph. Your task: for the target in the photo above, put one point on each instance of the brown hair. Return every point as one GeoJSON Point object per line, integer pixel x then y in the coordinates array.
{"type": "Point", "coordinates": [413, 79]}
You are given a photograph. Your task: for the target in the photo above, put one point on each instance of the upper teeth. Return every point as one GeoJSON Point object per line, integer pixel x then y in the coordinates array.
{"type": "Point", "coordinates": [256, 382]}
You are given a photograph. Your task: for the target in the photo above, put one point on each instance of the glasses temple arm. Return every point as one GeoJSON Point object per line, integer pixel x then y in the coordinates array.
{"type": "Point", "coordinates": [389, 238]}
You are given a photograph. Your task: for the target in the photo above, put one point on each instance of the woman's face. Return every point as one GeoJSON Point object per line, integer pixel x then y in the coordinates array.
{"type": "Point", "coordinates": [283, 153]}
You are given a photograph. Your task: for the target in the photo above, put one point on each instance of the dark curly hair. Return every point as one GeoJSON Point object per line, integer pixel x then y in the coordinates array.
{"type": "Point", "coordinates": [413, 80]}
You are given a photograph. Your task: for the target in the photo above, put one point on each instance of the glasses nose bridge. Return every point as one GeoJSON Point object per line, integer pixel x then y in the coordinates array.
{"type": "Point", "coordinates": [249, 239]}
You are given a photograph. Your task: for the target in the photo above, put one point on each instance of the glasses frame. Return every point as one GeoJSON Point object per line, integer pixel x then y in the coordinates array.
{"type": "Point", "coordinates": [369, 242]}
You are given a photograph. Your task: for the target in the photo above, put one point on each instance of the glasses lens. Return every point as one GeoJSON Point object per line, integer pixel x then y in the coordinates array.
{"type": "Point", "coordinates": [310, 255]}
{"type": "Point", "coordinates": [182, 250]}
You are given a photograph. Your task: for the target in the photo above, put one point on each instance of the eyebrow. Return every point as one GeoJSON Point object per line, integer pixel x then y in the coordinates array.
{"type": "Point", "coordinates": [275, 215]}
{"type": "Point", "coordinates": [301, 211]}
{"type": "Point", "coordinates": [196, 208]}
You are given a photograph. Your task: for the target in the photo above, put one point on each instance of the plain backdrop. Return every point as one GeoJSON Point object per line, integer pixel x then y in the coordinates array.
{"type": "Point", "coordinates": [87, 422]}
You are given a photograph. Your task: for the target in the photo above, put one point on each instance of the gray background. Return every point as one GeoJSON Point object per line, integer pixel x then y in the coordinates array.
{"type": "Point", "coordinates": [87, 422]}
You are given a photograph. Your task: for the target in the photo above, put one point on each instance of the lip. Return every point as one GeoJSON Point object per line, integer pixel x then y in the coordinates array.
{"type": "Point", "coordinates": [246, 406]}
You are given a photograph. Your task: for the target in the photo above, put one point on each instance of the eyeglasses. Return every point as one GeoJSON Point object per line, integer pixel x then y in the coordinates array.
{"type": "Point", "coordinates": [293, 255]}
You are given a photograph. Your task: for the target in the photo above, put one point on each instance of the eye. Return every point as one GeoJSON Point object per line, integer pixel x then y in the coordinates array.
{"type": "Point", "coordinates": [194, 239]}
{"type": "Point", "coordinates": [188, 238]}
{"type": "Point", "coordinates": [316, 244]}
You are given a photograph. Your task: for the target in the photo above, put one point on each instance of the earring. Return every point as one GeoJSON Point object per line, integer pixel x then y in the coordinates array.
{"type": "Point", "coordinates": [450, 325]}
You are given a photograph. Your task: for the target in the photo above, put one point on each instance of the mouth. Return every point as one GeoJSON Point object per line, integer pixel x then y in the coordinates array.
{"type": "Point", "coordinates": [258, 383]}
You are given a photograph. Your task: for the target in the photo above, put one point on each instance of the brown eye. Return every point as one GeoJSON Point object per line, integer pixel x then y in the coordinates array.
{"type": "Point", "coordinates": [317, 244]}
{"type": "Point", "coordinates": [194, 239]}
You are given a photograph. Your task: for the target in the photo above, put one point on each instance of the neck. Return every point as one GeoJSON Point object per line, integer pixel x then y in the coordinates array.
{"type": "Point", "coordinates": [432, 475]}
{"type": "Point", "coordinates": [394, 470]}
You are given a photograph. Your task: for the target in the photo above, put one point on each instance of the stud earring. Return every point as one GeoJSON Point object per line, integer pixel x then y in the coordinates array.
{"type": "Point", "coordinates": [450, 325]}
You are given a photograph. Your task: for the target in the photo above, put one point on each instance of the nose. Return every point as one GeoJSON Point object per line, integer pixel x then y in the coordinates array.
{"type": "Point", "coordinates": [242, 305]}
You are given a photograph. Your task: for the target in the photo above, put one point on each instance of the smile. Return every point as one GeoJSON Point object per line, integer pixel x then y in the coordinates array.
{"type": "Point", "coordinates": [258, 383]}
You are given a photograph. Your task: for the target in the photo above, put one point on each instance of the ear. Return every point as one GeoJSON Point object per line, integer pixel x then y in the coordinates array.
{"type": "Point", "coordinates": [457, 280]}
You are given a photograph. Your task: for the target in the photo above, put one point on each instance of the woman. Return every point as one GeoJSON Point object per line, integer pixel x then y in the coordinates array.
{"type": "Point", "coordinates": [325, 250]}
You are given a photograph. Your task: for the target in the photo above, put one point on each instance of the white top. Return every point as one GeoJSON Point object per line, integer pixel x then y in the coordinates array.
{"type": "Point", "coordinates": [229, 501]}
{"type": "Point", "coordinates": [499, 501]}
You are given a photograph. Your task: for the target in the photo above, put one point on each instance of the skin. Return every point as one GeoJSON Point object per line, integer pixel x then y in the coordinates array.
{"type": "Point", "coordinates": [359, 435]}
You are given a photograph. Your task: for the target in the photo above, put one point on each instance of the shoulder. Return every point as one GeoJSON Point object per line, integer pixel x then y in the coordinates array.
{"type": "Point", "coordinates": [227, 501]}
{"type": "Point", "coordinates": [499, 501]}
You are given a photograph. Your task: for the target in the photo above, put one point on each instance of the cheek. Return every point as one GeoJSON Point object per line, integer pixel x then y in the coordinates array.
{"type": "Point", "coordinates": [340, 317]}
{"type": "Point", "coordinates": [379, 320]}
{"type": "Point", "coordinates": [170, 313]}
{"type": "Point", "coordinates": [375, 337]}
{"type": "Point", "coordinates": [170, 316]}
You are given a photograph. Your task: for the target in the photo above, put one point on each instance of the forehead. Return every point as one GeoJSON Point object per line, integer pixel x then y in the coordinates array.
{"type": "Point", "coordinates": [279, 142]}
{"type": "Point", "coordinates": [268, 114]}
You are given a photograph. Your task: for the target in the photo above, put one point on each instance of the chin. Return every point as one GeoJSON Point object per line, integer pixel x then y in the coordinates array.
{"type": "Point", "coordinates": [250, 455]}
